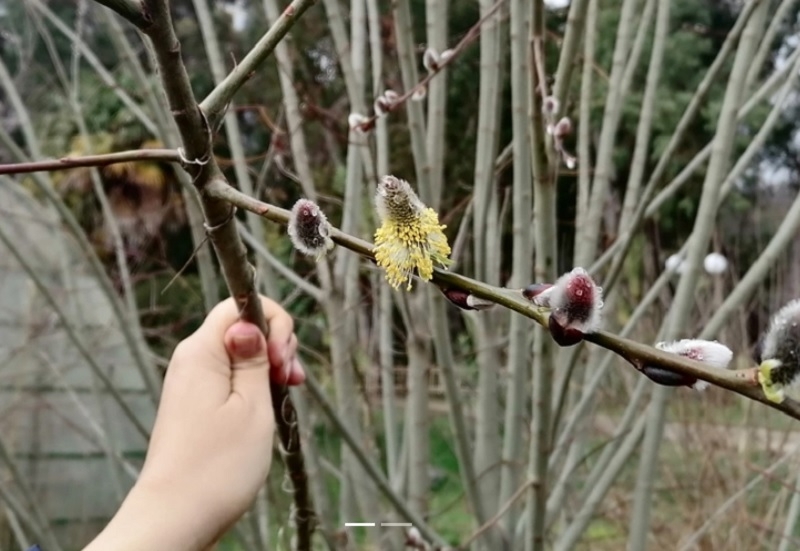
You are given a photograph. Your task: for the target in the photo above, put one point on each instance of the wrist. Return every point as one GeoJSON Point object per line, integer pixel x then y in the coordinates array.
{"type": "Point", "coordinates": [153, 518]}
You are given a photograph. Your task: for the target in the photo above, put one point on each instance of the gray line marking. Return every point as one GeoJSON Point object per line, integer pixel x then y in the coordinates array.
{"type": "Point", "coordinates": [397, 524]}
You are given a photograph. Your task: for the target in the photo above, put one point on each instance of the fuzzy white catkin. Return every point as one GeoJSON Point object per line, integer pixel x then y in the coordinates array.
{"type": "Point", "coordinates": [430, 59]}
{"type": "Point", "coordinates": [715, 264]}
{"type": "Point", "coordinates": [558, 297]}
{"type": "Point", "coordinates": [675, 263]}
{"type": "Point", "coordinates": [711, 353]}
{"type": "Point", "coordinates": [355, 120]}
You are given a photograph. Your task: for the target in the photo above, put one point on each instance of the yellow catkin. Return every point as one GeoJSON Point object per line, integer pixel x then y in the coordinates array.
{"type": "Point", "coordinates": [415, 242]}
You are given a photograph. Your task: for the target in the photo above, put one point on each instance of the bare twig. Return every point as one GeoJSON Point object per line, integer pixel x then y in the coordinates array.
{"type": "Point", "coordinates": [492, 521]}
{"type": "Point", "coordinates": [65, 163]}
{"type": "Point", "coordinates": [214, 104]}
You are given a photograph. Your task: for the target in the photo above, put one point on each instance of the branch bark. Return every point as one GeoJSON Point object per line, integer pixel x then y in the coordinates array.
{"type": "Point", "coordinates": [66, 163]}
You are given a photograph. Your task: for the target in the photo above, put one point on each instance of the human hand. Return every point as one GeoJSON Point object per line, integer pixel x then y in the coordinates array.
{"type": "Point", "coordinates": [211, 446]}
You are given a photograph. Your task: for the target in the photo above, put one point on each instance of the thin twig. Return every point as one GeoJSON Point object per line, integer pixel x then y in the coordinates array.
{"type": "Point", "coordinates": [492, 521]}
{"type": "Point", "coordinates": [214, 104]}
{"type": "Point", "coordinates": [66, 163]}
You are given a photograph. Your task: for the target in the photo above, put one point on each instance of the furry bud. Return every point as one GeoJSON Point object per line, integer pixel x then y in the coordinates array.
{"type": "Point", "coordinates": [385, 102]}
{"type": "Point", "coordinates": [431, 60]}
{"type": "Point", "coordinates": [358, 122]}
{"type": "Point", "coordinates": [309, 230]}
{"type": "Point", "coordinates": [715, 264]}
{"type": "Point", "coordinates": [420, 93]}
{"type": "Point", "coordinates": [575, 300]}
{"type": "Point", "coordinates": [675, 263]}
{"type": "Point", "coordinates": [414, 539]}
{"type": "Point", "coordinates": [711, 353]}
{"type": "Point", "coordinates": [380, 107]}
{"type": "Point", "coordinates": [562, 128]}
{"type": "Point", "coordinates": [550, 106]}
{"type": "Point", "coordinates": [447, 54]}
{"type": "Point", "coordinates": [391, 96]}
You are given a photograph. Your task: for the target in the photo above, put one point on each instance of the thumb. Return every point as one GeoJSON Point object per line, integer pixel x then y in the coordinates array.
{"type": "Point", "coordinates": [247, 350]}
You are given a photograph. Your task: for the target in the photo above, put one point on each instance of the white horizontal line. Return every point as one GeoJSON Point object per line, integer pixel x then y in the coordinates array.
{"type": "Point", "coordinates": [406, 524]}
{"type": "Point", "coordinates": [359, 524]}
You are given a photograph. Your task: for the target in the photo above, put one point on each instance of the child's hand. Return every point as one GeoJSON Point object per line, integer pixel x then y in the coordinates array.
{"type": "Point", "coordinates": [211, 446]}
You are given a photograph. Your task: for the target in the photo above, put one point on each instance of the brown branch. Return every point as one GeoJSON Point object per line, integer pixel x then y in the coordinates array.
{"type": "Point", "coordinates": [65, 163]}
{"type": "Point", "coordinates": [740, 381]}
{"type": "Point", "coordinates": [221, 227]}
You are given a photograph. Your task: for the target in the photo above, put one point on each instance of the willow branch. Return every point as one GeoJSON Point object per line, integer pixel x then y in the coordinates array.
{"type": "Point", "coordinates": [65, 163]}
{"type": "Point", "coordinates": [741, 381]}
{"type": "Point", "coordinates": [214, 104]}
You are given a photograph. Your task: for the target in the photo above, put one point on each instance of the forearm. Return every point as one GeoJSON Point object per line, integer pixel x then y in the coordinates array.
{"type": "Point", "coordinates": [149, 519]}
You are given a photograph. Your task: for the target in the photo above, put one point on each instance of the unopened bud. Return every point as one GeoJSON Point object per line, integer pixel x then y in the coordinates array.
{"type": "Point", "coordinates": [675, 263]}
{"type": "Point", "coordinates": [447, 54]}
{"type": "Point", "coordinates": [414, 538]}
{"type": "Point", "coordinates": [380, 107]}
{"type": "Point", "coordinates": [550, 106]}
{"type": "Point", "coordinates": [465, 300]}
{"type": "Point", "coordinates": [420, 93]}
{"type": "Point", "coordinates": [391, 96]}
{"type": "Point", "coordinates": [562, 128]}
{"type": "Point", "coordinates": [667, 377]}
{"type": "Point", "coordinates": [309, 230]}
{"type": "Point", "coordinates": [431, 60]}
{"type": "Point", "coordinates": [535, 292]}
{"type": "Point", "coordinates": [711, 353]}
{"type": "Point", "coordinates": [358, 122]}
{"type": "Point", "coordinates": [385, 102]}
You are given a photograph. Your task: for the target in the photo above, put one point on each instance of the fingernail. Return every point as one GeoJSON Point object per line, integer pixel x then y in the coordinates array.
{"type": "Point", "coordinates": [246, 345]}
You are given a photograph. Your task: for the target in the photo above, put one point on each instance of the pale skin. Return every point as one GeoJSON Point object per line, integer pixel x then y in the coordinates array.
{"type": "Point", "coordinates": [211, 446]}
